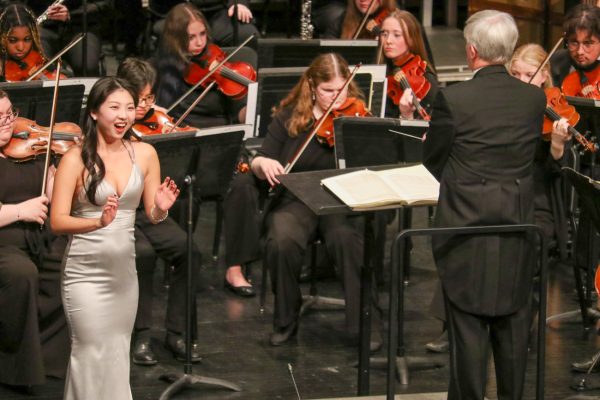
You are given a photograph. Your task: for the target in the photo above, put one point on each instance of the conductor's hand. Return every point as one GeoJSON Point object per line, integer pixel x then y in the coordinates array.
{"type": "Point", "coordinates": [407, 108]}
{"type": "Point", "coordinates": [34, 210]}
{"type": "Point", "coordinates": [267, 168]}
{"type": "Point", "coordinates": [243, 13]}
{"type": "Point", "coordinates": [166, 194]}
{"type": "Point", "coordinates": [109, 211]}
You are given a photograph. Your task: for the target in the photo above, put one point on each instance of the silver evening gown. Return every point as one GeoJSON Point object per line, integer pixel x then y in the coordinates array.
{"type": "Point", "coordinates": [100, 296]}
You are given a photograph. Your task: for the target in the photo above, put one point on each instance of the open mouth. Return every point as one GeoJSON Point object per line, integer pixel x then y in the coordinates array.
{"type": "Point", "coordinates": [121, 127]}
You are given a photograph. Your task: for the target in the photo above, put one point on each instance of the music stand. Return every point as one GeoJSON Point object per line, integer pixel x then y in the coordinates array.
{"type": "Point", "coordinates": [588, 191]}
{"type": "Point", "coordinates": [34, 101]}
{"type": "Point", "coordinates": [361, 142]}
{"type": "Point", "coordinates": [274, 52]}
{"type": "Point", "coordinates": [179, 155]}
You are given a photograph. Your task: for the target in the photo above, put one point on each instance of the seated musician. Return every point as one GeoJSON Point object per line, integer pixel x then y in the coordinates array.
{"type": "Point", "coordinates": [290, 225]}
{"type": "Point", "coordinates": [582, 37]}
{"type": "Point", "coordinates": [343, 25]}
{"type": "Point", "coordinates": [35, 339]}
{"type": "Point", "coordinates": [63, 23]}
{"type": "Point", "coordinates": [220, 15]}
{"type": "Point", "coordinates": [549, 210]}
{"type": "Point", "coordinates": [166, 240]}
{"type": "Point", "coordinates": [22, 53]}
{"type": "Point", "coordinates": [186, 33]}
{"type": "Point", "coordinates": [401, 44]}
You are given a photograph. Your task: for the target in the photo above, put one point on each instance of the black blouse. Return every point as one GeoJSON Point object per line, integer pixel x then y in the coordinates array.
{"type": "Point", "coordinates": [20, 182]}
{"type": "Point", "coordinates": [280, 146]}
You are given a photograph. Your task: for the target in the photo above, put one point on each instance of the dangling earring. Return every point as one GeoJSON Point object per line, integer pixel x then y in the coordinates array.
{"type": "Point", "coordinates": [313, 96]}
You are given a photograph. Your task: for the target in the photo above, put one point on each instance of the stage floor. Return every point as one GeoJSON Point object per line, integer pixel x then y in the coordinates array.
{"type": "Point", "coordinates": [234, 340]}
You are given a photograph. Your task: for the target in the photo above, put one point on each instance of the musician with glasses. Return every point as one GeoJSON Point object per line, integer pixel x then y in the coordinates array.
{"type": "Point", "coordinates": [34, 340]}
{"type": "Point", "coordinates": [166, 240]}
{"type": "Point", "coordinates": [582, 37]}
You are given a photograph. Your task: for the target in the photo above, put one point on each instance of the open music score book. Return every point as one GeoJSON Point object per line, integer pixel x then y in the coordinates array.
{"type": "Point", "coordinates": [366, 189]}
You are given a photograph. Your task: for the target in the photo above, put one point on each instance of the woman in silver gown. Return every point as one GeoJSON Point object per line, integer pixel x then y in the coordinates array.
{"type": "Point", "coordinates": [97, 189]}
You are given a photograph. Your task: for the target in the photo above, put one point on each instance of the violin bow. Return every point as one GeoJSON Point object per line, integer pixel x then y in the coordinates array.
{"type": "Point", "coordinates": [543, 64]}
{"type": "Point", "coordinates": [208, 75]}
{"type": "Point", "coordinates": [191, 107]}
{"type": "Point", "coordinates": [51, 129]}
{"type": "Point", "coordinates": [56, 57]}
{"type": "Point", "coordinates": [301, 149]}
{"type": "Point", "coordinates": [364, 20]}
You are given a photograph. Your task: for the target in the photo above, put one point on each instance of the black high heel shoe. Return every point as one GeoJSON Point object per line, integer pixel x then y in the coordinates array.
{"type": "Point", "coordinates": [279, 337]}
{"type": "Point", "coordinates": [242, 291]}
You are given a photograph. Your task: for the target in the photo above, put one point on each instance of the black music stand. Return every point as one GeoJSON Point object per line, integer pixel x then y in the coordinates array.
{"type": "Point", "coordinates": [274, 52]}
{"type": "Point", "coordinates": [588, 191]}
{"type": "Point", "coordinates": [360, 142]}
{"type": "Point", "coordinates": [179, 156]}
{"type": "Point", "coordinates": [34, 101]}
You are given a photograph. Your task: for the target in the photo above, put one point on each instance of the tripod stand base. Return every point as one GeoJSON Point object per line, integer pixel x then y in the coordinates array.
{"type": "Point", "coordinates": [186, 381]}
{"type": "Point", "coordinates": [586, 383]}
{"type": "Point", "coordinates": [310, 301]}
{"type": "Point", "coordinates": [593, 313]}
{"type": "Point", "coordinates": [404, 364]}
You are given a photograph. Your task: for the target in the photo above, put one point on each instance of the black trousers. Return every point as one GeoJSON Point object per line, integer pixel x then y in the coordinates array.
{"type": "Point", "coordinates": [470, 338]}
{"type": "Point", "coordinates": [242, 220]}
{"type": "Point", "coordinates": [291, 226]}
{"type": "Point", "coordinates": [54, 40]}
{"type": "Point", "coordinates": [34, 337]}
{"type": "Point", "coordinates": [221, 26]}
{"type": "Point", "coordinates": [168, 241]}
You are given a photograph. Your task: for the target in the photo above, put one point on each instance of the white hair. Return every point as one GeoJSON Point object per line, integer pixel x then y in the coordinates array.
{"type": "Point", "coordinates": [493, 33]}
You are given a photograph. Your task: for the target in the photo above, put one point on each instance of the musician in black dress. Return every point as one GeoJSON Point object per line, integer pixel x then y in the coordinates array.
{"type": "Point", "coordinates": [186, 35]}
{"type": "Point", "coordinates": [401, 40]}
{"type": "Point", "coordinates": [481, 146]}
{"type": "Point", "coordinates": [34, 338]}
{"type": "Point", "coordinates": [290, 225]}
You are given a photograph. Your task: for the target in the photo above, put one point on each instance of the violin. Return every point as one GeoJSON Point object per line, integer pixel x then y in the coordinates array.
{"type": "Point", "coordinates": [21, 70]}
{"type": "Point", "coordinates": [583, 84]}
{"type": "Point", "coordinates": [374, 24]}
{"type": "Point", "coordinates": [352, 107]}
{"type": "Point", "coordinates": [409, 74]}
{"type": "Point", "coordinates": [557, 108]}
{"type": "Point", "coordinates": [156, 122]}
{"type": "Point", "coordinates": [30, 139]}
{"type": "Point", "coordinates": [232, 78]}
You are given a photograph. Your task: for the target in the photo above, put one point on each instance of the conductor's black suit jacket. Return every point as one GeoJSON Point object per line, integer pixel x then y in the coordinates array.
{"type": "Point", "coordinates": [481, 146]}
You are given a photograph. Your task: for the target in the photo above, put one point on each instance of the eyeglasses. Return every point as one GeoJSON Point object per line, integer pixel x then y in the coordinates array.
{"type": "Point", "coordinates": [149, 100]}
{"type": "Point", "coordinates": [9, 117]}
{"type": "Point", "coordinates": [587, 45]}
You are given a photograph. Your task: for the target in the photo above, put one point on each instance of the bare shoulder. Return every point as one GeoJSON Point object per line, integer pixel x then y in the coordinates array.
{"type": "Point", "coordinates": [143, 150]}
{"type": "Point", "coordinates": [72, 159]}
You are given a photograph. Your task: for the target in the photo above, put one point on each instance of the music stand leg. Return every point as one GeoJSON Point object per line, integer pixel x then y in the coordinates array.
{"type": "Point", "coordinates": [188, 380]}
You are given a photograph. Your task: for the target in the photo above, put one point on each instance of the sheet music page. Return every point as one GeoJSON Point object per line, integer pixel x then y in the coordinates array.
{"type": "Point", "coordinates": [412, 184]}
{"type": "Point", "coordinates": [361, 188]}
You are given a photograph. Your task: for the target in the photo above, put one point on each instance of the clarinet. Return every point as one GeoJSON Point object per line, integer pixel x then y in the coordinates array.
{"type": "Point", "coordinates": [306, 28]}
{"type": "Point", "coordinates": [44, 15]}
